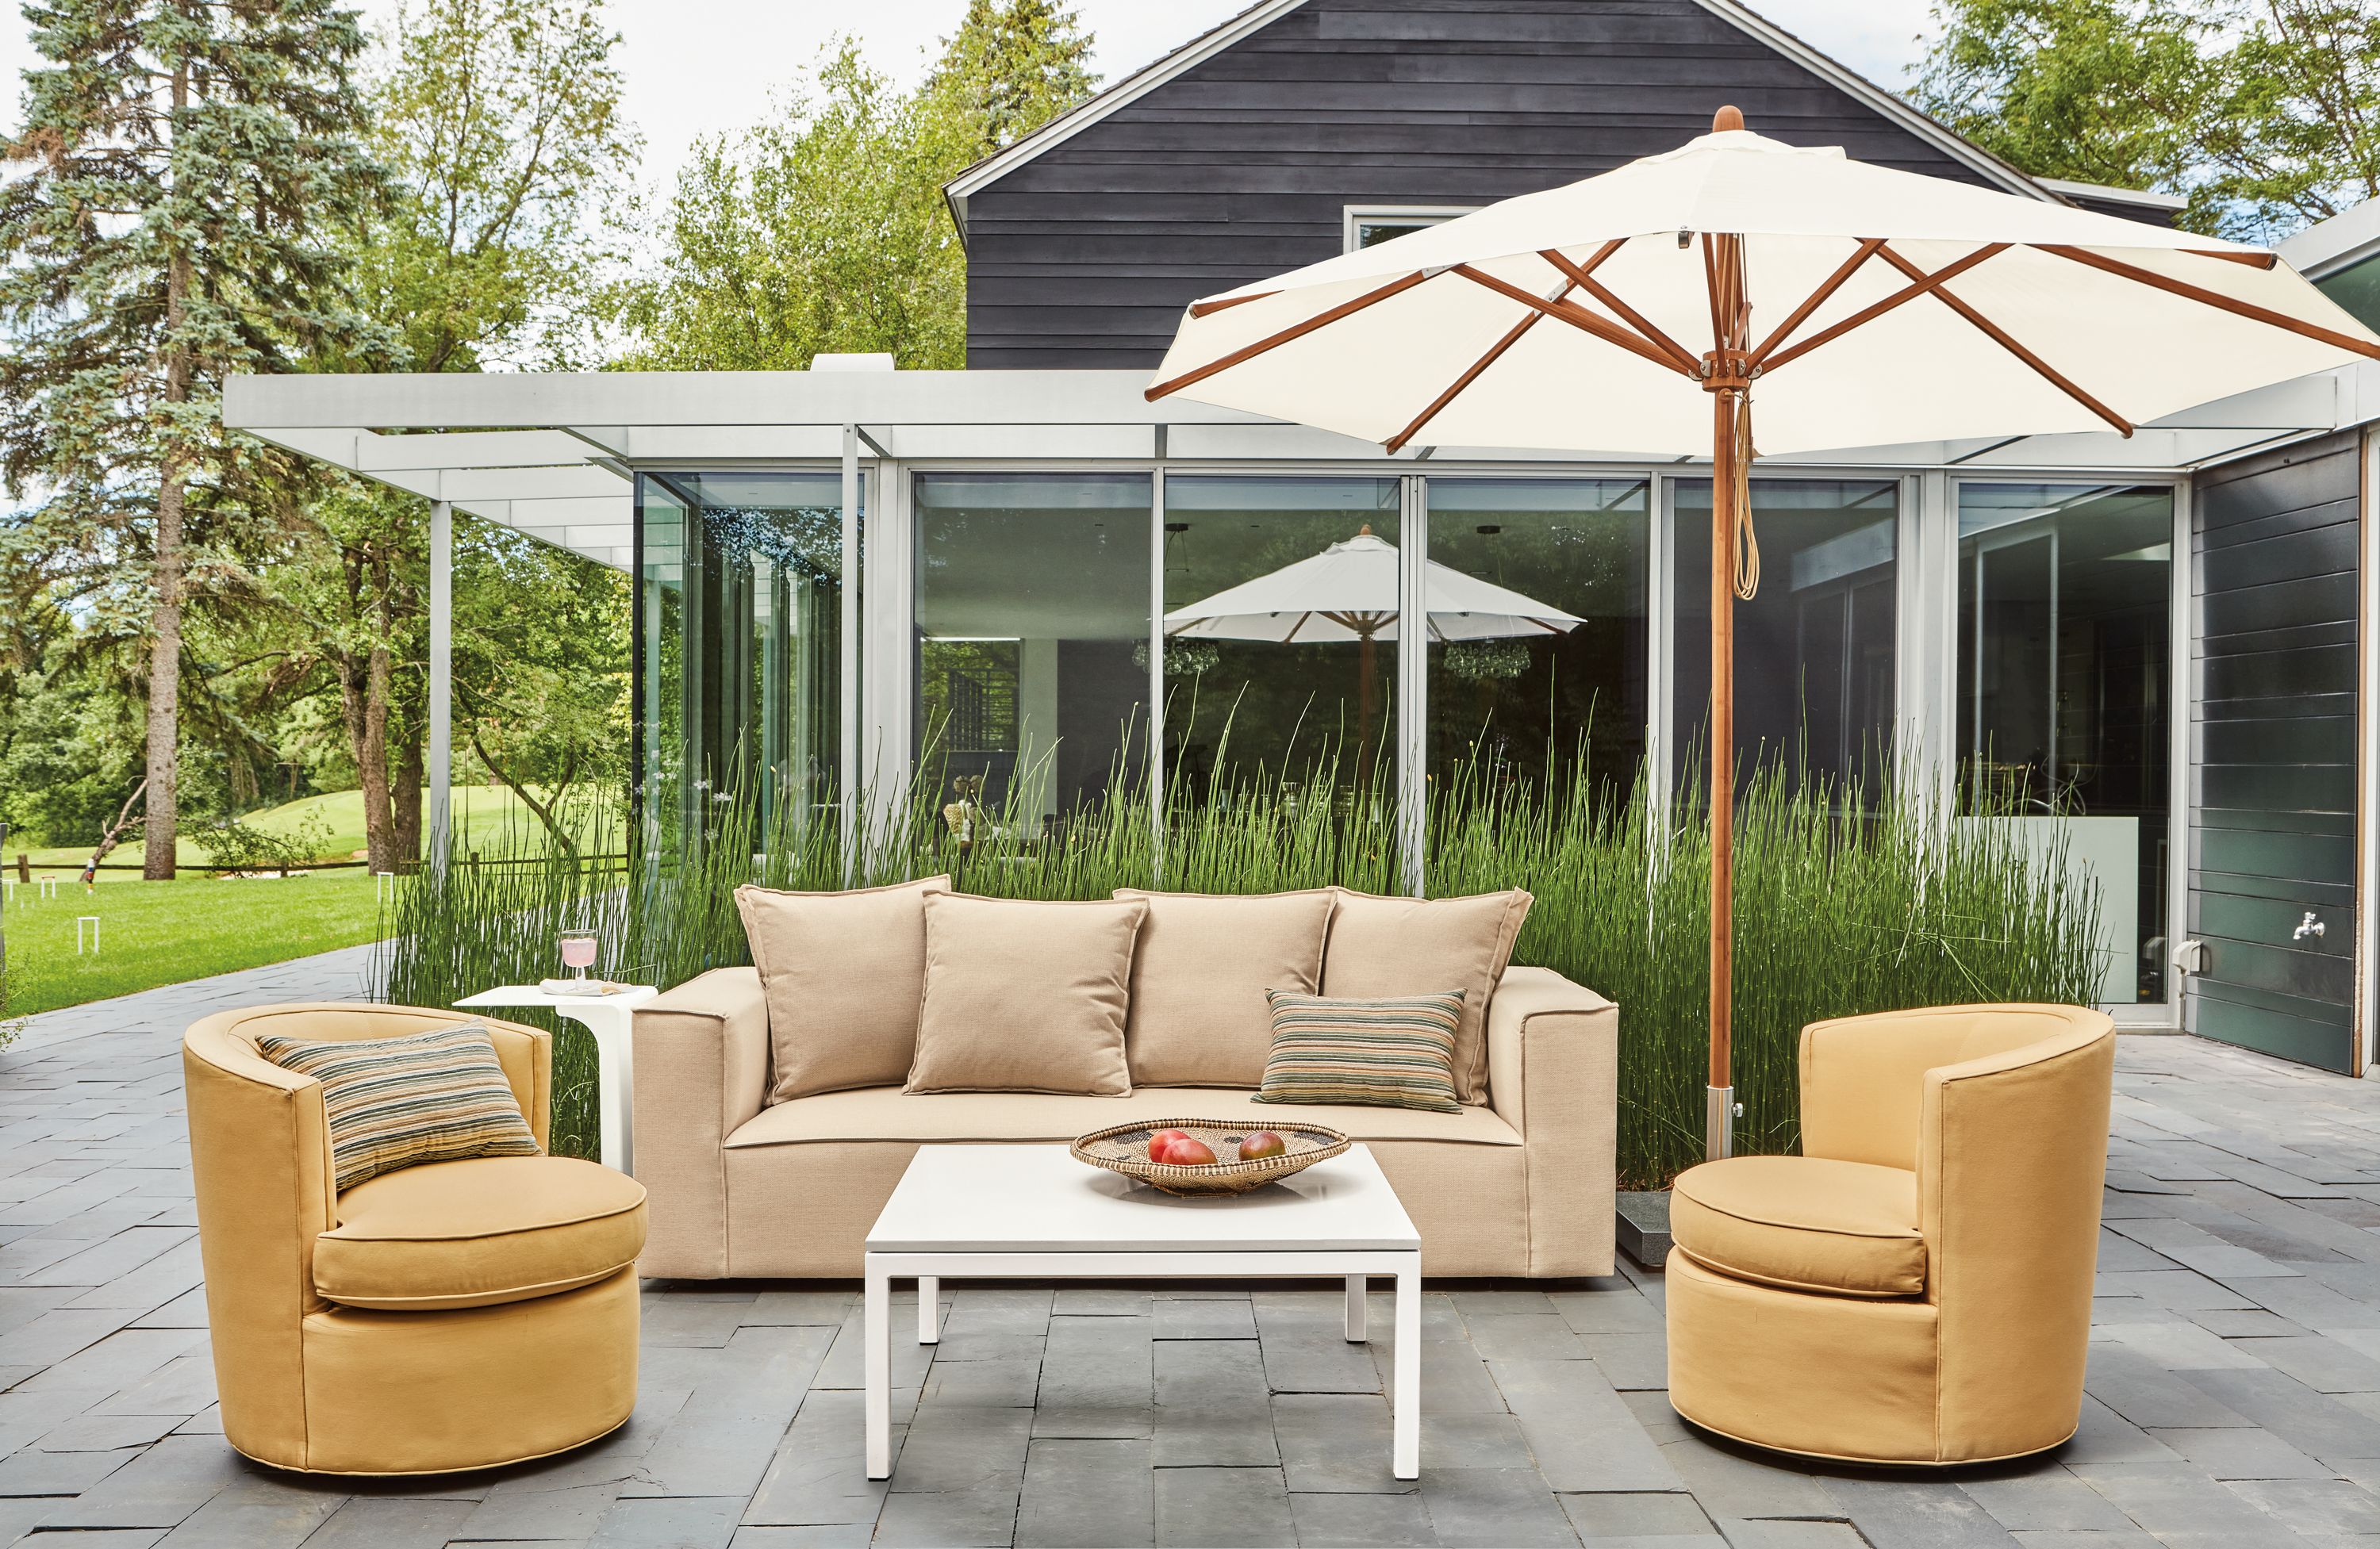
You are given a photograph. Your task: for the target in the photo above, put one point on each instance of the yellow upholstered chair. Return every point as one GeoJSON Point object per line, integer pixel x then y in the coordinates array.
{"type": "Point", "coordinates": [1915, 1287]}
{"type": "Point", "coordinates": [449, 1315]}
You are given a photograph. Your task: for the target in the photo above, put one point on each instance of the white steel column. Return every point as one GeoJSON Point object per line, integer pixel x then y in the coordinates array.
{"type": "Point", "coordinates": [441, 682]}
{"type": "Point", "coordinates": [847, 761]}
{"type": "Point", "coordinates": [1412, 703]}
{"type": "Point", "coordinates": [889, 664]}
{"type": "Point", "coordinates": [1660, 649]}
{"type": "Point", "coordinates": [1156, 661]}
{"type": "Point", "coordinates": [1926, 645]}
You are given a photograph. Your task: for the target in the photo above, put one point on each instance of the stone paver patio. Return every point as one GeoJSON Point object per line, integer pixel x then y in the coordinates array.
{"type": "Point", "coordinates": [2234, 1392]}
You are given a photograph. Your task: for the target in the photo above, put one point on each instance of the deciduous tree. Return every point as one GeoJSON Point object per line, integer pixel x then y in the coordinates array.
{"type": "Point", "coordinates": [2263, 113]}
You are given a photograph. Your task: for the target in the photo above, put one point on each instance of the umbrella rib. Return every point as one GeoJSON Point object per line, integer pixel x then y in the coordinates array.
{"type": "Point", "coordinates": [1869, 313]}
{"type": "Point", "coordinates": [2001, 337]}
{"type": "Point", "coordinates": [1295, 330]}
{"type": "Point", "coordinates": [2213, 298]}
{"type": "Point", "coordinates": [1513, 336]}
{"type": "Point", "coordinates": [1583, 277]}
{"type": "Point", "coordinates": [1816, 299]}
{"type": "Point", "coordinates": [1208, 308]}
{"type": "Point", "coordinates": [1576, 316]}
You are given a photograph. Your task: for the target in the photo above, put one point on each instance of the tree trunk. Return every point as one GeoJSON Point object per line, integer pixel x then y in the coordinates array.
{"type": "Point", "coordinates": [405, 795]}
{"type": "Point", "coordinates": [546, 813]}
{"type": "Point", "coordinates": [166, 644]}
{"type": "Point", "coordinates": [164, 682]}
{"type": "Point", "coordinates": [363, 705]}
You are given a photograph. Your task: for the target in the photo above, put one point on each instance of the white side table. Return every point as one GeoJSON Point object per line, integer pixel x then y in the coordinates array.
{"type": "Point", "coordinates": [609, 1019]}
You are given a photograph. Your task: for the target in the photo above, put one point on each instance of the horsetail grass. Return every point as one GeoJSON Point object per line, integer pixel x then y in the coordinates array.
{"type": "Point", "coordinates": [1845, 903]}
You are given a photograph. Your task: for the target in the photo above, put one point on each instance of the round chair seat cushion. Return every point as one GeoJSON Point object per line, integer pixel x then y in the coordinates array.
{"type": "Point", "coordinates": [478, 1232]}
{"type": "Point", "coordinates": [1804, 1223]}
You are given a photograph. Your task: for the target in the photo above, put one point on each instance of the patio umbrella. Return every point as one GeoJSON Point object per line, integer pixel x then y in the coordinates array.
{"type": "Point", "coordinates": [1349, 592]}
{"type": "Point", "coordinates": [1908, 308]}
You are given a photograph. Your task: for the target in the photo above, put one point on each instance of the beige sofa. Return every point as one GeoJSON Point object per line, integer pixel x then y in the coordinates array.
{"type": "Point", "coordinates": [1519, 1186]}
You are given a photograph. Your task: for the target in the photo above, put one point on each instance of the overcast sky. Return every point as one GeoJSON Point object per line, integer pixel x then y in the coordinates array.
{"type": "Point", "coordinates": [695, 67]}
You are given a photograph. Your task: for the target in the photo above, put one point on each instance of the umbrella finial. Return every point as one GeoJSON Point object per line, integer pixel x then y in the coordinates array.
{"type": "Point", "coordinates": [1367, 531]}
{"type": "Point", "coordinates": [1725, 119]}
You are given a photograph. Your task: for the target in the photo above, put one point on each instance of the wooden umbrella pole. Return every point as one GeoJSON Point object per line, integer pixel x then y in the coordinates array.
{"type": "Point", "coordinates": [1726, 373]}
{"type": "Point", "coordinates": [1720, 1099]}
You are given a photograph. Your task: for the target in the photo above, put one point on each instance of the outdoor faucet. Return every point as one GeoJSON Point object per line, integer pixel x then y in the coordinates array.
{"type": "Point", "coordinates": [2307, 927]}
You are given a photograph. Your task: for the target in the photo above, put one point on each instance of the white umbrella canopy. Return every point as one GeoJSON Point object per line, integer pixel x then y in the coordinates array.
{"type": "Point", "coordinates": [1577, 318]}
{"type": "Point", "coordinates": [1349, 592]}
{"type": "Point", "coordinates": [1860, 306]}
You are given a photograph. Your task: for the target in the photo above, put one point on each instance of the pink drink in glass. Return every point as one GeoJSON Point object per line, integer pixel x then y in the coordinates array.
{"type": "Point", "coordinates": [579, 953]}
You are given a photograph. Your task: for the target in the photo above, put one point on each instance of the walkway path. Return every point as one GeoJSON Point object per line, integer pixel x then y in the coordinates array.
{"type": "Point", "coordinates": [2234, 1396]}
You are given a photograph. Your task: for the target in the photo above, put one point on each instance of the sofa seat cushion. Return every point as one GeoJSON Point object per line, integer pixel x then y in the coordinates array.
{"type": "Point", "coordinates": [1804, 1223]}
{"type": "Point", "coordinates": [475, 1233]}
{"type": "Point", "coordinates": [887, 1113]}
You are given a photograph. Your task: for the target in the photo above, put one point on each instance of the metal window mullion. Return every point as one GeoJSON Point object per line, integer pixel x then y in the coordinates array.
{"type": "Point", "coordinates": [1156, 662]}
{"type": "Point", "coordinates": [1411, 705]}
{"type": "Point", "coordinates": [849, 627]}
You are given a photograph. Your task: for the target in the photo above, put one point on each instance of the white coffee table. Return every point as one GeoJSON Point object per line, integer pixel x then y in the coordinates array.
{"type": "Point", "coordinates": [1032, 1212]}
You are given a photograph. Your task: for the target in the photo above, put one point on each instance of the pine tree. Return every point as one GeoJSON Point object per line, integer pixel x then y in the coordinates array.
{"type": "Point", "coordinates": [169, 215]}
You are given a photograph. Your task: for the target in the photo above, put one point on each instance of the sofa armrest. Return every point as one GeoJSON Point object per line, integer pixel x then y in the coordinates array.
{"type": "Point", "coordinates": [701, 1073]}
{"type": "Point", "coordinates": [1553, 1075]}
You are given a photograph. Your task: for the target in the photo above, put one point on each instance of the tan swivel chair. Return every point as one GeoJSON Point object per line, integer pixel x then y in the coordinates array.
{"type": "Point", "coordinates": [1915, 1287]}
{"type": "Point", "coordinates": [450, 1315]}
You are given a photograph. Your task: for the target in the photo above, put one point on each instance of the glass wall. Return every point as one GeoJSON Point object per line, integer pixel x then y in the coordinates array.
{"type": "Point", "coordinates": [739, 635]}
{"type": "Point", "coordinates": [2065, 675]}
{"type": "Point", "coordinates": [1814, 651]}
{"type": "Point", "coordinates": [1032, 620]}
{"type": "Point", "coordinates": [1562, 669]}
{"type": "Point", "coordinates": [1281, 614]}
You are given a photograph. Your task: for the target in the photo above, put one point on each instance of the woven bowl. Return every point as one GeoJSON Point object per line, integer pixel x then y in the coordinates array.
{"type": "Point", "coordinates": [1125, 1149]}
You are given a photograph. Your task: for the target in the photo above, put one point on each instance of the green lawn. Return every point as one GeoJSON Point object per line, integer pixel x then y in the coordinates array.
{"type": "Point", "coordinates": [161, 933]}
{"type": "Point", "coordinates": [488, 820]}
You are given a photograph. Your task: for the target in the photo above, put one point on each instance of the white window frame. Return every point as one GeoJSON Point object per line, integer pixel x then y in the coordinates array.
{"type": "Point", "coordinates": [1353, 217]}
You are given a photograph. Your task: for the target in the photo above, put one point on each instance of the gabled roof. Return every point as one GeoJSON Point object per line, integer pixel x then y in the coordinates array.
{"type": "Point", "coordinates": [1215, 40]}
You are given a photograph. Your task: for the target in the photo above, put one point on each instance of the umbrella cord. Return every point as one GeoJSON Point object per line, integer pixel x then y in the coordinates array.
{"type": "Point", "coordinates": [1747, 543]}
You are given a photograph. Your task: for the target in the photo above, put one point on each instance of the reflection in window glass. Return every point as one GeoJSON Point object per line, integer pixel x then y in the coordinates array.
{"type": "Point", "coordinates": [1814, 651]}
{"type": "Point", "coordinates": [1294, 673]}
{"type": "Point", "coordinates": [1032, 639]}
{"type": "Point", "coordinates": [739, 627]}
{"type": "Point", "coordinates": [1517, 700]}
{"type": "Point", "coordinates": [2357, 289]}
{"type": "Point", "coordinates": [2065, 664]}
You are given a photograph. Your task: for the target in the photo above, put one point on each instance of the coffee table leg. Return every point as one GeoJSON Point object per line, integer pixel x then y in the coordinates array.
{"type": "Point", "coordinates": [1405, 1449]}
{"type": "Point", "coordinates": [1356, 1320]}
{"type": "Point", "coordinates": [929, 1310]}
{"type": "Point", "coordinates": [876, 1318]}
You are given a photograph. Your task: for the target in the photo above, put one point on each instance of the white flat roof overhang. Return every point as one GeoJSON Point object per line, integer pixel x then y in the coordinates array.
{"type": "Point", "coordinates": [554, 454]}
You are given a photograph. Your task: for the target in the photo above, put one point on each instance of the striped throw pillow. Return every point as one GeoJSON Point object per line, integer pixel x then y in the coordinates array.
{"type": "Point", "coordinates": [436, 1096]}
{"type": "Point", "coordinates": [1397, 1052]}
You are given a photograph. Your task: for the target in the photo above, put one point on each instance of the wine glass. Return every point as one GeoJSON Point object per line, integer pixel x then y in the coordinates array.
{"type": "Point", "coordinates": [579, 949]}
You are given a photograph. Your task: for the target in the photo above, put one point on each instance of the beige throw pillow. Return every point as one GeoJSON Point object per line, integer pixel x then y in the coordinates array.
{"type": "Point", "coordinates": [844, 974]}
{"type": "Point", "coordinates": [1025, 997]}
{"type": "Point", "coordinates": [1410, 946]}
{"type": "Point", "coordinates": [1200, 974]}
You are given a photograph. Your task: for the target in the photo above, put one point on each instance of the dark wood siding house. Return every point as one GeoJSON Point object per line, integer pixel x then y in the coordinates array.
{"type": "Point", "coordinates": [1241, 154]}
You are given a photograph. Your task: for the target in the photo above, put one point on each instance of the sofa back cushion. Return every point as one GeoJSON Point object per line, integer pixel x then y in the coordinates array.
{"type": "Point", "coordinates": [1026, 996]}
{"type": "Point", "coordinates": [844, 974]}
{"type": "Point", "coordinates": [1410, 946]}
{"type": "Point", "coordinates": [1200, 974]}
